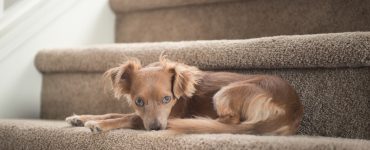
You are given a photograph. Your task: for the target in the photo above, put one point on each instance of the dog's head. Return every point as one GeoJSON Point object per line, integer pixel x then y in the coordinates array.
{"type": "Point", "coordinates": [153, 90]}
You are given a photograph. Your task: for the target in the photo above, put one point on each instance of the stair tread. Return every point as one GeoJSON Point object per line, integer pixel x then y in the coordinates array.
{"type": "Point", "coordinates": [333, 50]}
{"type": "Point", "coordinates": [47, 134]}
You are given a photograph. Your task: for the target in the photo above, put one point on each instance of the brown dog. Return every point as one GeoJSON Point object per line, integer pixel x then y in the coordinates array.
{"type": "Point", "coordinates": [167, 95]}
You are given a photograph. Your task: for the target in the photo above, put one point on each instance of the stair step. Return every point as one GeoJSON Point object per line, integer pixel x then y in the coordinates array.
{"type": "Point", "coordinates": [178, 20]}
{"type": "Point", "coordinates": [336, 50]}
{"type": "Point", "coordinates": [37, 134]}
{"type": "Point", "coordinates": [329, 71]}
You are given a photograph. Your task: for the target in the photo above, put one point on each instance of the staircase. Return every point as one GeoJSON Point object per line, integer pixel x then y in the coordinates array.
{"type": "Point", "coordinates": [328, 64]}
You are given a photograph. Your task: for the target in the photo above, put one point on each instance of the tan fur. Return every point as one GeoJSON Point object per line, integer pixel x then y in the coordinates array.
{"type": "Point", "coordinates": [186, 77]}
{"type": "Point", "coordinates": [231, 103]}
{"type": "Point", "coordinates": [117, 74]}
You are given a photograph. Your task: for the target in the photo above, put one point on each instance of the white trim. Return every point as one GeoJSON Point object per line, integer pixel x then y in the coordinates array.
{"type": "Point", "coordinates": [1, 7]}
{"type": "Point", "coordinates": [20, 22]}
{"type": "Point", "coordinates": [14, 15]}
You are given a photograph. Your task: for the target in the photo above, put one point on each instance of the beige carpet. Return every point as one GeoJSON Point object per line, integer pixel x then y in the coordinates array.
{"type": "Point", "coordinates": [177, 20]}
{"type": "Point", "coordinates": [35, 134]}
{"type": "Point", "coordinates": [334, 50]}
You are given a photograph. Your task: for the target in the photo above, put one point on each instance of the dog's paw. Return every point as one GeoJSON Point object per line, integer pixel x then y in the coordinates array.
{"type": "Point", "coordinates": [75, 120]}
{"type": "Point", "coordinates": [93, 126]}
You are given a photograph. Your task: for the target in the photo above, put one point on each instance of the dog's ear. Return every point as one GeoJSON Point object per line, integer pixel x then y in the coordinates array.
{"type": "Point", "coordinates": [122, 76]}
{"type": "Point", "coordinates": [184, 79]}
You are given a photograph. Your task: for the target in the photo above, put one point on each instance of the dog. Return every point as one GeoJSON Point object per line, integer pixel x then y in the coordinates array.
{"type": "Point", "coordinates": [170, 95]}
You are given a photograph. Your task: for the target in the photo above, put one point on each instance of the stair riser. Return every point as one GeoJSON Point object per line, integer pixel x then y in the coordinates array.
{"type": "Point", "coordinates": [242, 19]}
{"type": "Point", "coordinates": [82, 93]}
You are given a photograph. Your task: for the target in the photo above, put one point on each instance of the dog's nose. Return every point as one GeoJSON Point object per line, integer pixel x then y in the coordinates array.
{"type": "Point", "coordinates": [155, 126]}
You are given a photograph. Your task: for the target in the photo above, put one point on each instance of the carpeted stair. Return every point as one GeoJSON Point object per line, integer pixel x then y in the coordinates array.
{"type": "Point", "coordinates": [177, 20]}
{"type": "Point", "coordinates": [330, 71]}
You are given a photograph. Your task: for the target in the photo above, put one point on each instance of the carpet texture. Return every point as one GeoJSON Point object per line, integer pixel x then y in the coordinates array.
{"type": "Point", "coordinates": [329, 71]}
{"type": "Point", "coordinates": [36, 134]}
{"type": "Point", "coordinates": [351, 49]}
{"type": "Point", "coordinates": [67, 93]}
{"type": "Point", "coordinates": [177, 20]}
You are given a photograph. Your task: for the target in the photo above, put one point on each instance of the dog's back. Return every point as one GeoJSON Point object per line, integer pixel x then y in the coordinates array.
{"type": "Point", "coordinates": [258, 104]}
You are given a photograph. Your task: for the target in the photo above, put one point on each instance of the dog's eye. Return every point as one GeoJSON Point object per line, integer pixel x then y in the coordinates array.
{"type": "Point", "coordinates": [139, 102]}
{"type": "Point", "coordinates": [166, 99]}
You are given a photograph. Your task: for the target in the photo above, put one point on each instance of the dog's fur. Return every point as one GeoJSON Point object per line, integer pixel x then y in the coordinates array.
{"type": "Point", "coordinates": [232, 103]}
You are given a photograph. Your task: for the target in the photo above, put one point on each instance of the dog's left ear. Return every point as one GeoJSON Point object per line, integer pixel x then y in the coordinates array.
{"type": "Point", "coordinates": [184, 79]}
{"type": "Point", "coordinates": [121, 77]}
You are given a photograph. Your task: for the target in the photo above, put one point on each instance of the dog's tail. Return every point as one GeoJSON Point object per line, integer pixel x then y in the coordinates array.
{"type": "Point", "coordinates": [207, 125]}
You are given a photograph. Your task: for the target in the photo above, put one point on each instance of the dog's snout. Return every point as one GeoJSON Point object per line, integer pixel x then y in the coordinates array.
{"type": "Point", "coordinates": [155, 126]}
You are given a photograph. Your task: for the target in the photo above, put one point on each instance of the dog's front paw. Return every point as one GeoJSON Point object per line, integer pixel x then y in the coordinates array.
{"type": "Point", "coordinates": [75, 120]}
{"type": "Point", "coordinates": [93, 126]}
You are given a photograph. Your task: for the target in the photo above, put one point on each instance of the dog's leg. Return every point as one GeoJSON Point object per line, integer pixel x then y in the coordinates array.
{"type": "Point", "coordinates": [253, 107]}
{"type": "Point", "coordinates": [79, 120]}
{"type": "Point", "coordinates": [131, 121]}
{"type": "Point", "coordinates": [229, 102]}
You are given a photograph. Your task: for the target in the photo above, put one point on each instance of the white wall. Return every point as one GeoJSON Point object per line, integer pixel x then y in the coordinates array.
{"type": "Point", "coordinates": [87, 22]}
{"type": "Point", "coordinates": [8, 3]}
